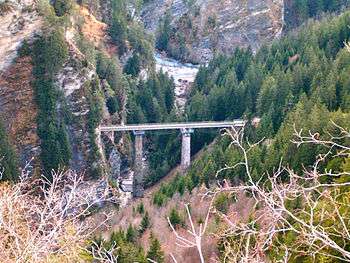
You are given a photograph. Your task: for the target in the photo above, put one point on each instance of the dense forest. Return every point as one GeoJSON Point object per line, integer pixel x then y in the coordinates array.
{"type": "Point", "coordinates": [299, 70]}
{"type": "Point", "coordinates": [298, 82]}
{"type": "Point", "coordinates": [299, 11]}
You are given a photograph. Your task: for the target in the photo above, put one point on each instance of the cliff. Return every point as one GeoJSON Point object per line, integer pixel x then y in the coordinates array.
{"type": "Point", "coordinates": [209, 26]}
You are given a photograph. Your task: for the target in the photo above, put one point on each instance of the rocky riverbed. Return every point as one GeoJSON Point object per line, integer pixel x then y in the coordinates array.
{"type": "Point", "coordinates": [182, 73]}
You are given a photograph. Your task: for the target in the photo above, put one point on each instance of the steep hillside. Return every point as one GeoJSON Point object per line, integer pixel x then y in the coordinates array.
{"type": "Point", "coordinates": [297, 12]}
{"type": "Point", "coordinates": [18, 108]}
{"type": "Point", "coordinates": [19, 20]}
{"type": "Point", "coordinates": [198, 29]}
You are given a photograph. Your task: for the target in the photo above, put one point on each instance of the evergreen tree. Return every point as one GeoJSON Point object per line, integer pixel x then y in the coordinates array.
{"type": "Point", "coordinates": [145, 223]}
{"type": "Point", "coordinates": [112, 105]}
{"type": "Point", "coordinates": [175, 218]}
{"type": "Point", "coordinates": [63, 7]}
{"type": "Point", "coordinates": [130, 234]}
{"type": "Point", "coordinates": [164, 32]}
{"type": "Point", "coordinates": [118, 32]}
{"type": "Point", "coordinates": [49, 53]}
{"type": "Point", "coordinates": [132, 66]}
{"type": "Point", "coordinates": [155, 251]}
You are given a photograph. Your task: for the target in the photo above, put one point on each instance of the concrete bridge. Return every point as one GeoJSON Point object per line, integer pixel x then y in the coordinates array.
{"type": "Point", "coordinates": [186, 129]}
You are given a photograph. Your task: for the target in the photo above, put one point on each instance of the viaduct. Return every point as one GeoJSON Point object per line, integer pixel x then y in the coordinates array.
{"type": "Point", "coordinates": [186, 130]}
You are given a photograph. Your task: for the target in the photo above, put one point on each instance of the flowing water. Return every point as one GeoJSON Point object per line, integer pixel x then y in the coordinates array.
{"type": "Point", "coordinates": [182, 73]}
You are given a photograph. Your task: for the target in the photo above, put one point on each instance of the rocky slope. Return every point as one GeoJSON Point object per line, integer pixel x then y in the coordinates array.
{"type": "Point", "coordinates": [20, 21]}
{"type": "Point", "coordinates": [209, 26]}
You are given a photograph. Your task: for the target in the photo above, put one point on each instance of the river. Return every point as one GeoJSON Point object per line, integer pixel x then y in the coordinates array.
{"type": "Point", "coordinates": [182, 73]}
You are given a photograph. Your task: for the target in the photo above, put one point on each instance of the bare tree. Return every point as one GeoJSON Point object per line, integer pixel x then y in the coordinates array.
{"type": "Point", "coordinates": [101, 254]}
{"type": "Point", "coordinates": [321, 223]}
{"type": "Point", "coordinates": [196, 235]}
{"type": "Point", "coordinates": [43, 221]}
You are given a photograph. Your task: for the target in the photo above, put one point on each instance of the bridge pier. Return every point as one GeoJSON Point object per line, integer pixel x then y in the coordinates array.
{"type": "Point", "coordinates": [186, 149]}
{"type": "Point", "coordinates": [137, 185]}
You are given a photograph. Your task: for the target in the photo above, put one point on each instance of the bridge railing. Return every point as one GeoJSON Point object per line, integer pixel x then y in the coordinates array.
{"type": "Point", "coordinates": [173, 126]}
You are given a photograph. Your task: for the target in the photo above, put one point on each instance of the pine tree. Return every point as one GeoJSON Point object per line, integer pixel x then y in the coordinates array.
{"type": "Point", "coordinates": [132, 66]}
{"type": "Point", "coordinates": [130, 234]}
{"type": "Point", "coordinates": [62, 7]}
{"type": "Point", "coordinates": [164, 33]}
{"type": "Point", "coordinates": [175, 218]}
{"type": "Point", "coordinates": [155, 251]}
{"type": "Point", "coordinates": [145, 223]}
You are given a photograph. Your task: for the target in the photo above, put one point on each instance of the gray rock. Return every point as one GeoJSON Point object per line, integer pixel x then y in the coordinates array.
{"type": "Point", "coordinates": [114, 163]}
{"type": "Point", "coordinates": [238, 23]}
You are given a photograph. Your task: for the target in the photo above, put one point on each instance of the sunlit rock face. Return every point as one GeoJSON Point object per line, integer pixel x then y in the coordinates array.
{"type": "Point", "coordinates": [211, 26]}
{"type": "Point", "coordinates": [19, 21]}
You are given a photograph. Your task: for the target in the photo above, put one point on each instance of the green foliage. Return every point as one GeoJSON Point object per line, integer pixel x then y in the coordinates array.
{"type": "Point", "coordinates": [49, 53]}
{"type": "Point", "coordinates": [164, 32]}
{"type": "Point", "coordinates": [140, 208]}
{"type": "Point", "coordinates": [129, 34]}
{"type": "Point", "coordinates": [8, 158]}
{"type": "Point", "coordinates": [131, 234]}
{"type": "Point", "coordinates": [300, 10]}
{"type": "Point", "coordinates": [109, 70]}
{"type": "Point", "coordinates": [94, 117]}
{"type": "Point", "coordinates": [25, 49]}
{"type": "Point", "coordinates": [112, 105]}
{"type": "Point", "coordinates": [63, 7]}
{"type": "Point", "coordinates": [159, 199]}
{"type": "Point", "coordinates": [118, 33]}
{"type": "Point", "coordinates": [145, 223]}
{"type": "Point", "coordinates": [222, 203]}
{"type": "Point", "coordinates": [126, 252]}
{"type": "Point", "coordinates": [155, 251]}
{"type": "Point", "coordinates": [132, 66]}
{"type": "Point", "coordinates": [175, 218]}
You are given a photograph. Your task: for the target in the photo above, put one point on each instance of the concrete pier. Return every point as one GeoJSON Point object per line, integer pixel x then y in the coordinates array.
{"type": "Point", "coordinates": [138, 189]}
{"type": "Point", "coordinates": [186, 128]}
{"type": "Point", "coordinates": [186, 149]}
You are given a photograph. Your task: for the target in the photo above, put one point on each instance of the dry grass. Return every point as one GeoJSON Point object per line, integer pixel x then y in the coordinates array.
{"type": "Point", "coordinates": [93, 30]}
{"type": "Point", "coordinates": [159, 225]}
{"type": "Point", "coordinates": [17, 106]}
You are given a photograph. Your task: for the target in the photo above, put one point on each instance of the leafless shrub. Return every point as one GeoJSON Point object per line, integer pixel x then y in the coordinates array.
{"type": "Point", "coordinates": [42, 220]}
{"type": "Point", "coordinates": [320, 222]}
{"type": "Point", "coordinates": [196, 235]}
{"type": "Point", "coordinates": [101, 254]}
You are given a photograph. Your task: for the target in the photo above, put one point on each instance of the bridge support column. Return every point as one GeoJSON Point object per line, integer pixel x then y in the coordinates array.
{"type": "Point", "coordinates": [138, 165]}
{"type": "Point", "coordinates": [186, 149]}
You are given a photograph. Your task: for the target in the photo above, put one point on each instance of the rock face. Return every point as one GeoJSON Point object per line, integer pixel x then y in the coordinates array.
{"type": "Point", "coordinates": [209, 26]}
{"type": "Point", "coordinates": [20, 22]}
{"type": "Point", "coordinates": [115, 164]}
{"type": "Point", "coordinates": [71, 81]}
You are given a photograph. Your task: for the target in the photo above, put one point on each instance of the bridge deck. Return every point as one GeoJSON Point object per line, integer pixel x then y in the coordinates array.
{"type": "Point", "coordinates": [172, 126]}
